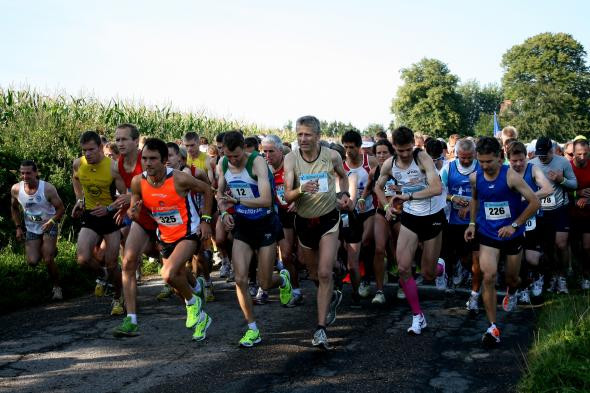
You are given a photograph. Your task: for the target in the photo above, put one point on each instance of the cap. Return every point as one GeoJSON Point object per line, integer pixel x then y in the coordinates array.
{"type": "Point", "coordinates": [543, 146]}
{"type": "Point", "coordinates": [582, 137]}
{"type": "Point", "coordinates": [530, 148]}
{"type": "Point", "coordinates": [367, 144]}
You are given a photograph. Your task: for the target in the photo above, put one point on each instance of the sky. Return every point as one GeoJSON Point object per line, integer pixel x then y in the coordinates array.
{"type": "Point", "coordinates": [264, 62]}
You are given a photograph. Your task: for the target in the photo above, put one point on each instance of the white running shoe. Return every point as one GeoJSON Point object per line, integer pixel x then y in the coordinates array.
{"type": "Point", "coordinates": [441, 281]}
{"type": "Point", "coordinates": [562, 285]}
{"type": "Point", "coordinates": [379, 298]}
{"type": "Point", "coordinates": [537, 286]}
{"type": "Point", "coordinates": [224, 270]}
{"type": "Point", "coordinates": [418, 323]}
{"type": "Point", "coordinates": [364, 289]}
{"type": "Point", "coordinates": [510, 301]}
{"type": "Point", "coordinates": [253, 289]}
{"type": "Point", "coordinates": [459, 274]}
{"type": "Point", "coordinates": [472, 304]}
{"type": "Point", "coordinates": [523, 297]}
{"type": "Point", "coordinates": [585, 284]}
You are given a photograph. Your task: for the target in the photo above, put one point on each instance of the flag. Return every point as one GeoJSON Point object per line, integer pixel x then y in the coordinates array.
{"type": "Point", "coordinates": [497, 130]}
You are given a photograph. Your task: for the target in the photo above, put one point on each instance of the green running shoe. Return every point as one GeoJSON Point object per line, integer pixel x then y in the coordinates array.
{"type": "Point", "coordinates": [201, 293]}
{"type": "Point", "coordinates": [251, 338]}
{"type": "Point", "coordinates": [126, 329]}
{"type": "Point", "coordinates": [192, 313]}
{"type": "Point", "coordinates": [285, 292]}
{"type": "Point", "coordinates": [201, 328]}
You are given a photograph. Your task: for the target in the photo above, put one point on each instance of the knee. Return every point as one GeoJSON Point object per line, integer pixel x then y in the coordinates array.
{"type": "Point", "coordinates": [33, 260]}
{"type": "Point", "coordinates": [82, 259]}
{"type": "Point", "coordinates": [489, 279]}
{"type": "Point", "coordinates": [561, 244]}
{"type": "Point", "coordinates": [324, 275]}
{"type": "Point", "coordinates": [242, 280]}
{"type": "Point", "coordinates": [129, 264]}
{"type": "Point", "coordinates": [404, 271]}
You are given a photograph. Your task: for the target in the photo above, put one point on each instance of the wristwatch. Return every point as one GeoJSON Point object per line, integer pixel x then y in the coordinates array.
{"type": "Point", "coordinates": [514, 225]}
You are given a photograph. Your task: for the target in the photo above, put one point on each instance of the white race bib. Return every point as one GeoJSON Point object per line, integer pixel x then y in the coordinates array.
{"type": "Point", "coordinates": [168, 217]}
{"type": "Point", "coordinates": [241, 190]}
{"type": "Point", "coordinates": [548, 201]}
{"type": "Point", "coordinates": [321, 178]}
{"type": "Point", "coordinates": [34, 217]}
{"type": "Point", "coordinates": [497, 210]}
{"type": "Point", "coordinates": [389, 191]}
{"type": "Point", "coordinates": [531, 223]}
{"type": "Point", "coordinates": [281, 194]}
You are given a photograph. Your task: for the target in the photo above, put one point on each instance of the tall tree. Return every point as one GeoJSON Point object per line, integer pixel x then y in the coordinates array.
{"type": "Point", "coordinates": [548, 82]}
{"type": "Point", "coordinates": [477, 101]}
{"type": "Point", "coordinates": [428, 100]}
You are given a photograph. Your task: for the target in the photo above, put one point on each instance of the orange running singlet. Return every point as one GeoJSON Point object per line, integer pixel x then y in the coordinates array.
{"type": "Point", "coordinates": [176, 216]}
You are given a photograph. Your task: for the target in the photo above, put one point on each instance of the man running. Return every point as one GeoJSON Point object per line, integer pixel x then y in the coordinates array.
{"type": "Point", "coordinates": [497, 212]}
{"type": "Point", "coordinates": [255, 225]}
{"type": "Point", "coordinates": [310, 181]}
{"type": "Point", "coordinates": [580, 210]}
{"type": "Point", "coordinates": [42, 208]}
{"type": "Point", "coordinates": [422, 219]}
{"type": "Point", "coordinates": [165, 192]}
{"type": "Point", "coordinates": [273, 153]}
{"type": "Point", "coordinates": [93, 178]}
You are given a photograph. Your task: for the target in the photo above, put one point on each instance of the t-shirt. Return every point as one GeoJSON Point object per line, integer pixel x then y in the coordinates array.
{"type": "Point", "coordinates": [559, 196]}
{"type": "Point", "coordinates": [583, 177]}
{"type": "Point", "coordinates": [321, 170]}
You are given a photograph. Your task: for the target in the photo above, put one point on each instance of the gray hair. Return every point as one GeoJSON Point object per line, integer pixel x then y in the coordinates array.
{"type": "Point", "coordinates": [464, 144]}
{"type": "Point", "coordinates": [274, 140]}
{"type": "Point", "coordinates": [309, 121]}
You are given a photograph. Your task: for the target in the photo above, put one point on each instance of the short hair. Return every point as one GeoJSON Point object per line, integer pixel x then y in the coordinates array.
{"type": "Point", "coordinates": [566, 144]}
{"type": "Point", "coordinates": [251, 141]}
{"type": "Point", "coordinates": [339, 148]}
{"type": "Point", "coordinates": [381, 135]}
{"type": "Point", "coordinates": [434, 148]}
{"type": "Point", "coordinates": [453, 137]}
{"type": "Point", "coordinates": [509, 141]}
{"type": "Point", "coordinates": [203, 140]}
{"type": "Point", "coordinates": [385, 142]}
{"type": "Point", "coordinates": [89, 136]}
{"type": "Point", "coordinates": [182, 152]}
{"type": "Point", "coordinates": [30, 163]}
{"type": "Point", "coordinates": [132, 130]}
{"type": "Point", "coordinates": [112, 146]}
{"type": "Point", "coordinates": [488, 145]}
{"type": "Point", "coordinates": [309, 121]}
{"type": "Point", "coordinates": [583, 142]}
{"type": "Point", "coordinates": [173, 146]}
{"type": "Point", "coordinates": [233, 139]}
{"type": "Point", "coordinates": [510, 132]}
{"type": "Point", "coordinates": [155, 144]}
{"type": "Point", "coordinates": [352, 136]}
{"type": "Point", "coordinates": [516, 148]}
{"type": "Point", "coordinates": [402, 136]}
{"type": "Point", "coordinates": [219, 137]}
{"type": "Point", "coordinates": [465, 144]}
{"type": "Point", "coordinates": [191, 136]}
{"type": "Point", "coordinates": [273, 140]}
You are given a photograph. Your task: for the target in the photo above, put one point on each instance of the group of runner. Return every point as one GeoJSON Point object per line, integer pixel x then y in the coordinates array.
{"type": "Point", "coordinates": [455, 210]}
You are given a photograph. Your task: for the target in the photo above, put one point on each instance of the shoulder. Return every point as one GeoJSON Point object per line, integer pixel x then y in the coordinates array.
{"type": "Point", "coordinates": [77, 162]}
{"type": "Point", "coordinates": [50, 188]}
{"type": "Point", "coordinates": [15, 189]}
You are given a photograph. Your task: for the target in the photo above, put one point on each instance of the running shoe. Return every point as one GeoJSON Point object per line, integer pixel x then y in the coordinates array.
{"type": "Point", "coordinates": [261, 297]}
{"type": "Point", "coordinates": [165, 293]}
{"type": "Point", "coordinates": [253, 289]}
{"type": "Point", "coordinates": [336, 299]}
{"type": "Point", "coordinates": [193, 312]}
{"type": "Point", "coordinates": [224, 270]}
{"type": "Point", "coordinates": [379, 298]}
{"type": "Point", "coordinates": [117, 306]}
{"type": "Point", "coordinates": [472, 304]}
{"type": "Point", "coordinates": [320, 340]}
{"type": "Point", "coordinates": [201, 292]}
{"type": "Point", "coordinates": [100, 288]}
{"type": "Point", "coordinates": [419, 280]}
{"type": "Point", "coordinates": [491, 337]}
{"type": "Point", "coordinates": [296, 300]}
{"type": "Point", "coordinates": [562, 285]}
{"type": "Point", "coordinates": [202, 326]}
{"type": "Point", "coordinates": [552, 287]}
{"type": "Point", "coordinates": [231, 276]}
{"type": "Point", "coordinates": [418, 323]}
{"type": "Point", "coordinates": [126, 329]}
{"type": "Point", "coordinates": [523, 297]}
{"type": "Point", "coordinates": [401, 295]}
{"type": "Point", "coordinates": [441, 281]}
{"type": "Point", "coordinates": [364, 289]}
{"type": "Point", "coordinates": [209, 293]}
{"type": "Point", "coordinates": [459, 275]}
{"type": "Point", "coordinates": [510, 301]}
{"type": "Point", "coordinates": [57, 294]}
{"type": "Point", "coordinates": [537, 287]}
{"type": "Point", "coordinates": [585, 284]}
{"type": "Point", "coordinates": [251, 338]}
{"type": "Point", "coordinates": [285, 291]}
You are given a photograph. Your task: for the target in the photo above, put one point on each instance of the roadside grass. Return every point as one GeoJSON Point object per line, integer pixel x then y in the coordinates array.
{"type": "Point", "coordinates": [559, 359]}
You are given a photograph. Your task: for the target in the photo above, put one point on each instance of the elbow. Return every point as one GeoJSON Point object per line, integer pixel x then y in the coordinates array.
{"type": "Point", "coordinates": [437, 190]}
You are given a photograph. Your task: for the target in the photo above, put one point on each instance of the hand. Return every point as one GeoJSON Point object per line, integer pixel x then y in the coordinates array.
{"type": "Point", "coordinates": [77, 209]}
{"type": "Point", "coordinates": [463, 202]}
{"type": "Point", "coordinates": [47, 226]}
{"type": "Point", "coordinates": [506, 231]}
{"type": "Point", "coordinates": [229, 199]}
{"type": "Point", "coordinates": [555, 176]}
{"type": "Point", "coordinates": [122, 200]}
{"type": "Point", "coordinates": [311, 187]}
{"type": "Point", "coordinates": [292, 208]}
{"type": "Point", "coordinates": [399, 197]}
{"type": "Point", "coordinates": [133, 212]}
{"type": "Point", "coordinates": [469, 233]}
{"type": "Point", "coordinates": [390, 214]}
{"type": "Point", "coordinates": [120, 215]}
{"type": "Point", "coordinates": [228, 222]}
{"type": "Point", "coordinates": [585, 192]}
{"type": "Point", "coordinates": [205, 229]}
{"type": "Point", "coordinates": [20, 234]}
{"type": "Point", "coordinates": [345, 203]}
{"type": "Point", "coordinates": [464, 212]}
{"type": "Point", "coordinates": [581, 203]}
{"type": "Point", "coordinates": [99, 211]}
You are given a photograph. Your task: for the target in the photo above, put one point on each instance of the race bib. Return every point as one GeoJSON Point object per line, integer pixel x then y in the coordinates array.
{"type": "Point", "coordinates": [548, 201]}
{"type": "Point", "coordinates": [412, 189]}
{"type": "Point", "coordinates": [281, 194]}
{"type": "Point", "coordinates": [321, 178]}
{"type": "Point", "coordinates": [389, 191]}
{"type": "Point", "coordinates": [241, 190]}
{"type": "Point", "coordinates": [35, 217]}
{"type": "Point", "coordinates": [531, 223]}
{"type": "Point", "coordinates": [497, 210]}
{"type": "Point", "coordinates": [168, 217]}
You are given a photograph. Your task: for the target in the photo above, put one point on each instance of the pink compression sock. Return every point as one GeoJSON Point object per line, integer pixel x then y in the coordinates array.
{"type": "Point", "coordinates": [411, 291]}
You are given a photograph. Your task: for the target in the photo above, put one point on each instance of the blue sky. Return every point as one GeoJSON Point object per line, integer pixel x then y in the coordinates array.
{"type": "Point", "coordinates": [264, 62]}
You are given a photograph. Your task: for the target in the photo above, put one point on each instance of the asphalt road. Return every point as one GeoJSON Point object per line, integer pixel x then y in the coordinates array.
{"type": "Point", "coordinates": [69, 347]}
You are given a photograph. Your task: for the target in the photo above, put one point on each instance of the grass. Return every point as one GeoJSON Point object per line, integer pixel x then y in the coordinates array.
{"type": "Point", "coordinates": [559, 360]}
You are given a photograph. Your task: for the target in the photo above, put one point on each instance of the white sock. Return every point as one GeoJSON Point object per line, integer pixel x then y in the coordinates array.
{"type": "Point", "coordinates": [133, 318]}
{"type": "Point", "coordinates": [197, 286]}
{"type": "Point", "coordinates": [296, 291]}
{"type": "Point", "coordinates": [192, 301]}
{"type": "Point", "coordinates": [474, 294]}
{"type": "Point", "coordinates": [253, 326]}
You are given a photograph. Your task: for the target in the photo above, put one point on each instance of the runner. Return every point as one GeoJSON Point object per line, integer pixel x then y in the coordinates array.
{"type": "Point", "coordinates": [497, 211]}
{"type": "Point", "coordinates": [255, 225]}
{"type": "Point", "coordinates": [273, 153]}
{"type": "Point", "coordinates": [196, 158]}
{"type": "Point", "coordinates": [422, 219]}
{"type": "Point", "coordinates": [580, 209]}
{"type": "Point", "coordinates": [310, 172]}
{"type": "Point", "coordinates": [93, 178]}
{"type": "Point", "coordinates": [42, 208]}
{"type": "Point", "coordinates": [223, 238]}
{"type": "Point", "coordinates": [537, 181]}
{"type": "Point", "coordinates": [165, 192]}
{"type": "Point", "coordinates": [554, 224]}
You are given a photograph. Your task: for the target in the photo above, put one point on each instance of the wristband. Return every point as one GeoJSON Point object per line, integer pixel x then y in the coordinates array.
{"type": "Point", "coordinates": [452, 196]}
{"type": "Point", "coordinates": [224, 213]}
{"type": "Point", "coordinates": [471, 223]}
{"type": "Point", "coordinates": [206, 216]}
{"type": "Point", "coordinates": [206, 219]}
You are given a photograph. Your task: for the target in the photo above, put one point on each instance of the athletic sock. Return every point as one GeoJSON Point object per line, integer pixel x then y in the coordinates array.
{"type": "Point", "coordinates": [474, 294]}
{"type": "Point", "coordinates": [296, 291]}
{"type": "Point", "coordinates": [439, 269]}
{"type": "Point", "coordinates": [253, 326]}
{"type": "Point", "coordinates": [411, 292]}
{"type": "Point", "coordinates": [133, 318]}
{"type": "Point", "coordinates": [197, 288]}
{"type": "Point", "coordinates": [192, 301]}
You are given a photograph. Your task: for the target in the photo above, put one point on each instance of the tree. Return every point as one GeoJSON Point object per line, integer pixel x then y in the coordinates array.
{"type": "Point", "coordinates": [335, 128]}
{"type": "Point", "coordinates": [428, 100]}
{"type": "Point", "coordinates": [373, 129]}
{"type": "Point", "coordinates": [548, 81]}
{"type": "Point", "coordinates": [477, 101]}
